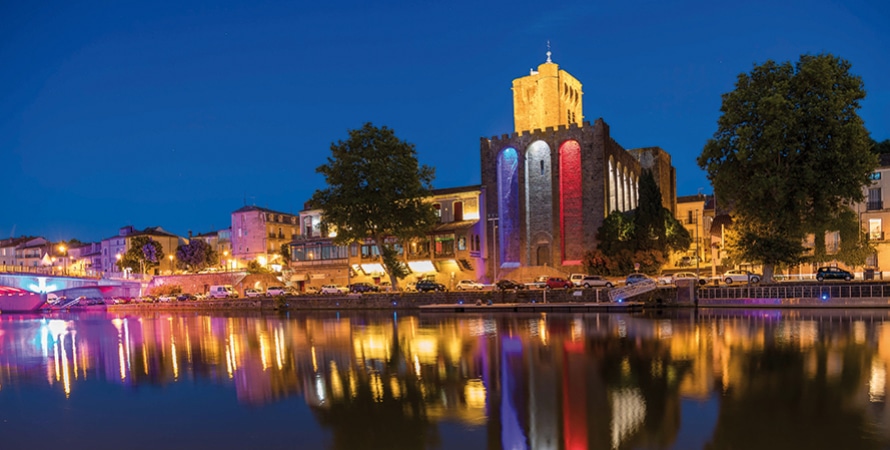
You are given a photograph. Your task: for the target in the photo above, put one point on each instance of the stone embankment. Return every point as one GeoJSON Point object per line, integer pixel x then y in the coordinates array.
{"type": "Point", "coordinates": [403, 300]}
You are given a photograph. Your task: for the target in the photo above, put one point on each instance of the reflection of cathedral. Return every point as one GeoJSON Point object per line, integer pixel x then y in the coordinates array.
{"type": "Point", "coordinates": [548, 381]}
{"type": "Point", "coordinates": [551, 183]}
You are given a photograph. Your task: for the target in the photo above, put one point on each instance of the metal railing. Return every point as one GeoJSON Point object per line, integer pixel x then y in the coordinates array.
{"type": "Point", "coordinates": [820, 291]}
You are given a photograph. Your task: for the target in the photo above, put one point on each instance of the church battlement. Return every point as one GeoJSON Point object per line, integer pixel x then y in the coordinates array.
{"type": "Point", "coordinates": [542, 133]}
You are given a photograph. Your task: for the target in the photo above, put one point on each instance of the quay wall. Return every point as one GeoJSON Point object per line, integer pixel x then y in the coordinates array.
{"type": "Point", "coordinates": [403, 300]}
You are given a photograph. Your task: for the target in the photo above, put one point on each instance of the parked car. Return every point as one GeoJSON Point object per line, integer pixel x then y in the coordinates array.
{"type": "Point", "coordinates": [576, 278]}
{"type": "Point", "coordinates": [429, 285]}
{"type": "Point", "coordinates": [186, 297]}
{"type": "Point", "coordinates": [333, 289]}
{"type": "Point", "coordinates": [362, 287]}
{"type": "Point", "coordinates": [741, 276]}
{"type": "Point", "coordinates": [672, 279]}
{"type": "Point", "coordinates": [274, 291]}
{"type": "Point", "coordinates": [687, 261]}
{"type": "Point", "coordinates": [250, 292]}
{"type": "Point", "coordinates": [558, 283]}
{"type": "Point", "coordinates": [164, 298]}
{"type": "Point", "coordinates": [385, 286]}
{"type": "Point", "coordinates": [468, 285]}
{"type": "Point", "coordinates": [539, 283]}
{"type": "Point", "coordinates": [590, 281]}
{"type": "Point", "coordinates": [636, 278]}
{"type": "Point", "coordinates": [504, 285]}
{"type": "Point", "coordinates": [222, 291]}
{"type": "Point", "coordinates": [833, 273]}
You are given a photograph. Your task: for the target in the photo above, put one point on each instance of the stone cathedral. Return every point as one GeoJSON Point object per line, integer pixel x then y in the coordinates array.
{"type": "Point", "coordinates": [550, 183]}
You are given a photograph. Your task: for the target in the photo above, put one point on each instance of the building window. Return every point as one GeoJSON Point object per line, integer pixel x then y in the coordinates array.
{"type": "Point", "coordinates": [875, 231]}
{"type": "Point", "coordinates": [462, 243]}
{"type": "Point", "coordinates": [438, 208]}
{"type": "Point", "coordinates": [875, 176]}
{"type": "Point", "coordinates": [874, 199]}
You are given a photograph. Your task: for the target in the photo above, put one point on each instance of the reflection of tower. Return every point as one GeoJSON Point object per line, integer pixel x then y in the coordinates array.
{"type": "Point", "coordinates": [543, 378]}
{"type": "Point", "coordinates": [574, 396]}
{"type": "Point", "coordinates": [512, 395]}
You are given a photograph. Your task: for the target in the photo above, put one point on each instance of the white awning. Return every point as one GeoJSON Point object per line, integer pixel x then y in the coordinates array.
{"type": "Point", "coordinates": [368, 269]}
{"type": "Point", "coordinates": [421, 266]}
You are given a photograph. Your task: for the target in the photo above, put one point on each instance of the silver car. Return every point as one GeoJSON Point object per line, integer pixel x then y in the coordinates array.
{"type": "Point", "coordinates": [741, 276]}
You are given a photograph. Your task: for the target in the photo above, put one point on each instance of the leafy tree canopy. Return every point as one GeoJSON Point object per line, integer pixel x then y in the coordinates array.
{"type": "Point", "coordinates": [143, 253]}
{"type": "Point", "coordinates": [643, 236]}
{"type": "Point", "coordinates": [377, 190]}
{"type": "Point", "coordinates": [196, 255]}
{"type": "Point", "coordinates": [881, 148]}
{"type": "Point", "coordinates": [790, 153]}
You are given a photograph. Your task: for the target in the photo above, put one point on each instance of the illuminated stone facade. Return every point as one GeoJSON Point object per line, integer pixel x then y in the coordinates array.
{"type": "Point", "coordinates": [258, 234]}
{"type": "Point", "coordinates": [547, 97]}
{"type": "Point", "coordinates": [550, 187]}
{"type": "Point", "coordinates": [452, 251]}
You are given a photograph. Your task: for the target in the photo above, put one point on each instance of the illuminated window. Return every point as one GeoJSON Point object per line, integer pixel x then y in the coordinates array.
{"type": "Point", "coordinates": [875, 231]}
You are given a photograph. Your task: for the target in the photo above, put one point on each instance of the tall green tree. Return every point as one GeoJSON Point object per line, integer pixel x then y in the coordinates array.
{"type": "Point", "coordinates": [790, 153]}
{"type": "Point", "coordinates": [377, 190]}
{"type": "Point", "coordinates": [649, 226]}
{"type": "Point", "coordinates": [144, 253]}
{"type": "Point", "coordinates": [881, 148]}
{"type": "Point", "coordinates": [643, 236]}
{"type": "Point", "coordinates": [196, 255]}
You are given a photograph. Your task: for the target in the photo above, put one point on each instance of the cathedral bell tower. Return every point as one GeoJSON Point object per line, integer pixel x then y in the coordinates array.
{"type": "Point", "coordinates": [547, 97]}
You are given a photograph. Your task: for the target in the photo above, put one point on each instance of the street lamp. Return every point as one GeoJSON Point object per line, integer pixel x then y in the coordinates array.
{"type": "Point", "coordinates": [118, 256]}
{"type": "Point", "coordinates": [696, 244]}
{"type": "Point", "coordinates": [226, 259]}
{"type": "Point", "coordinates": [493, 219]}
{"type": "Point", "coordinates": [171, 264]}
{"type": "Point", "coordinates": [62, 250]}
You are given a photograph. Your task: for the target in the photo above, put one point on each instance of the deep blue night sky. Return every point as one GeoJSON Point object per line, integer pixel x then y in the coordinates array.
{"type": "Point", "coordinates": [175, 114]}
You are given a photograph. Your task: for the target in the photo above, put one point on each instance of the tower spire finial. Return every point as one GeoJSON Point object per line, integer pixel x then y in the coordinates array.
{"type": "Point", "coordinates": [548, 51]}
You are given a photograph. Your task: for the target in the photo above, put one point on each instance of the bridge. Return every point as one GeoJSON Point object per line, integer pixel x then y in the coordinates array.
{"type": "Point", "coordinates": [28, 291]}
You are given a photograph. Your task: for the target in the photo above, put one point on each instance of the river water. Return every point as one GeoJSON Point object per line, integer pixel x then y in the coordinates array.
{"type": "Point", "coordinates": [712, 379]}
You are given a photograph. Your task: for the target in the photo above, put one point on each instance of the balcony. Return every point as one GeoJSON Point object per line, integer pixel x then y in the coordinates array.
{"type": "Point", "coordinates": [874, 205]}
{"type": "Point", "coordinates": [876, 235]}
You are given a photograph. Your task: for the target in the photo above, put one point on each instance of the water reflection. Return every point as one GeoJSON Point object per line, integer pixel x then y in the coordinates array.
{"type": "Point", "coordinates": [709, 379]}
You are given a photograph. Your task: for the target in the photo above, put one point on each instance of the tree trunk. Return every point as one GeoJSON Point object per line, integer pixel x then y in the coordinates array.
{"type": "Point", "coordinates": [768, 270]}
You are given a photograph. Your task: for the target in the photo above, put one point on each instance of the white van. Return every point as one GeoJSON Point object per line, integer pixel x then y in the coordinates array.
{"type": "Point", "coordinates": [576, 278]}
{"type": "Point", "coordinates": [222, 291]}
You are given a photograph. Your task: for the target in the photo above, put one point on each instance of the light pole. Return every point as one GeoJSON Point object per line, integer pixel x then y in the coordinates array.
{"type": "Point", "coordinates": [171, 263]}
{"type": "Point", "coordinates": [696, 244]}
{"type": "Point", "coordinates": [493, 219]}
{"type": "Point", "coordinates": [62, 250]}
{"type": "Point", "coordinates": [226, 259]}
{"type": "Point", "coordinates": [118, 256]}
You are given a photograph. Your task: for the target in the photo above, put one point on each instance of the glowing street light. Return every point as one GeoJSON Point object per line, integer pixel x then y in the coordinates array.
{"type": "Point", "coordinates": [62, 250]}
{"type": "Point", "coordinates": [118, 257]}
{"type": "Point", "coordinates": [171, 264]}
{"type": "Point", "coordinates": [226, 259]}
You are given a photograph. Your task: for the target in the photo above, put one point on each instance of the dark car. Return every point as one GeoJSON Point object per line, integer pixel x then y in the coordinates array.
{"type": "Point", "coordinates": [833, 273]}
{"type": "Point", "coordinates": [186, 297]}
{"type": "Point", "coordinates": [636, 278]}
{"type": "Point", "coordinates": [505, 285]}
{"type": "Point", "coordinates": [362, 287]}
{"type": "Point", "coordinates": [428, 285]}
{"type": "Point", "coordinates": [558, 283]}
